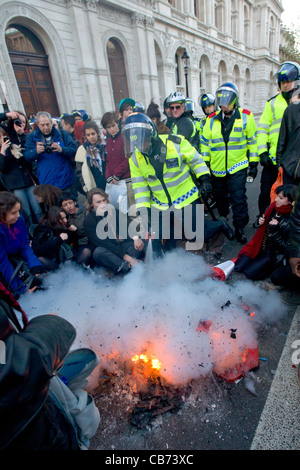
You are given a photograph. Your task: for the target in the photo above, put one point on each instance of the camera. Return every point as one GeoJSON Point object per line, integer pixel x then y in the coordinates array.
{"type": "Point", "coordinates": [18, 122]}
{"type": "Point", "coordinates": [48, 147]}
{"type": "Point", "coordinates": [5, 139]}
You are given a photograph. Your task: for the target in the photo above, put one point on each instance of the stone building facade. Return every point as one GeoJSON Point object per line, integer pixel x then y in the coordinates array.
{"type": "Point", "coordinates": [61, 55]}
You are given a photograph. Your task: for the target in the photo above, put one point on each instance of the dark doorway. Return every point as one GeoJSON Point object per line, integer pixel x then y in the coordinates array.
{"type": "Point", "coordinates": [30, 64]}
{"type": "Point", "coordinates": [117, 71]}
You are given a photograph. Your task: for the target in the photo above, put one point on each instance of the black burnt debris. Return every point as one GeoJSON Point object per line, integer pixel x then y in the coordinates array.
{"type": "Point", "coordinates": [158, 399]}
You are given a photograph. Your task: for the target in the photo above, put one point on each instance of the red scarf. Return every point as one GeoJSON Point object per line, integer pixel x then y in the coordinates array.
{"type": "Point", "coordinates": [252, 248]}
{"type": "Point", "coordinates": [9, 298]}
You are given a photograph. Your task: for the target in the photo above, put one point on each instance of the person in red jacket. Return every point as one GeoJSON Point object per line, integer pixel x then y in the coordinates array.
{"type": "Point", "coordinates": [117, 165]}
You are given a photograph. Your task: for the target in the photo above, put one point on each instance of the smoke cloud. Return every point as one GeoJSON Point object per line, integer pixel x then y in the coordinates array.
{"type": "Point", "coordinates": [156, 309]}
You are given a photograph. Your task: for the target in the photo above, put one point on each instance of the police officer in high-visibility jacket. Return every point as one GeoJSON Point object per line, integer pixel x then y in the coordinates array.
{"type": "Point", "coordinates": [229, 147]}
{"type": "Point", "coordinates": [207, 101]}
{"type": "Point", "coordinates": [182, 123]}
{"type": "Point", "coordinates": [288, 77]}
{"type": "Point", "coordinates": [161, 169]}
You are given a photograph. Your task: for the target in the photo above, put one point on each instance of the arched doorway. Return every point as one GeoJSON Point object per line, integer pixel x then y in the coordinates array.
{"type": "Point", "coordinates": [117, 71]}
{"type": "Point", "coordinates": [30, 64]}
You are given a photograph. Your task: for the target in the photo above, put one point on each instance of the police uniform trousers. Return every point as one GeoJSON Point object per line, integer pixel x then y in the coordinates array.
{"type": "Point", "coordinates": [268, 178]}
{"type": "Point", "coordinates": [231, 190]}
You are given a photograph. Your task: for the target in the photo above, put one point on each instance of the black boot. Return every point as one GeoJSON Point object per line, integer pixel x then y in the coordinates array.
{"type": "Point", "coordinates": [227, 230]}
{"type": "Point", "coordinates": [240, 236]}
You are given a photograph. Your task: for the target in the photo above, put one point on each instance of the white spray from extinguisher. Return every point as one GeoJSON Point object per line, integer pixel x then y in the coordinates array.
{"type": "Point", "coordinates": [149, 250]}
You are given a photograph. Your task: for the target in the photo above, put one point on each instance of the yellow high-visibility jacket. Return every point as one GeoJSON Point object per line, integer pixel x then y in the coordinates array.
{"type": "Point", "coordinates": [177, 187]}
{"type": "Point", "coordinates": [269, 126]}
{"type": "Point", "coordinates": [238, 152]}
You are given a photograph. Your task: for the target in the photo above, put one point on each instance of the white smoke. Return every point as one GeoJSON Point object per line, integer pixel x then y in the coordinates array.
{"type": "Point", "coordinates": [156, 309]}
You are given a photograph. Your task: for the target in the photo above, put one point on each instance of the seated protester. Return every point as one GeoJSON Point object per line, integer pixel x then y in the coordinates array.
{"type": "Point", "coordinates": [288, 276]}
{"type": "Point", "coordinates": [47, 196]}
{"type": "Point", "coordinates": [117, 165]}
{"type": "Point", "coordinates": [118, 254]}
{"type": "Point", "coordinates": [265, 252]}
{"type": "Point", "coordinates": [90, 158]}
{"type": "Point", "coordinates": [54, 240]}
{"type": "Point", "coordinates": [37, 410]}
{"type": "Point", "coordinates": [76, 215]}
{"type": "Point", "coordinates": [15, 247]}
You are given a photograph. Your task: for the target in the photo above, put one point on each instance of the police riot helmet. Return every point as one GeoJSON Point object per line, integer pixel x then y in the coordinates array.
{"type": "Point", "coordinates": [227, 95]}
{"type": "Point", "coordinates": [206, 99]}
{"type": "Point", "coordinates": [189, 105]}
{"type": "Point", "coordinates": [138, 107]}
{"type": "Point", "coordinates": [288, 72]}
{"type": "Point", "coordinates": [138, 133]}
{"type": "Point", "coordinates": [175, 97]}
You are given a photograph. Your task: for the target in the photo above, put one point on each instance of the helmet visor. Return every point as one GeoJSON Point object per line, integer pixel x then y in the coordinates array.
{"type": "Point", "coordinates": [287, 73]}
{"type": "Point", "coordinates": [137, 136]}
{"type": "Point", "coordinates": [190, 105]}
{"type": "Point", "coordinates": [226, 98]}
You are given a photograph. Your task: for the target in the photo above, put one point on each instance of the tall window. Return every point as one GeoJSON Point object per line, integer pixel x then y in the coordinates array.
{"type": "Point", "coordinates": [117, 70]}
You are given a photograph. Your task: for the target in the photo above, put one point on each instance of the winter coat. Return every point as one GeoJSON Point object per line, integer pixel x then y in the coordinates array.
{"type": "Point", "coordinates": [287, 153]}
{"type": "Point", "coordinates": [29, 420]}
{"type": "Point", "coordinates": [78, 220]}
{"type": "Point", "coordinates": [15, 173]}
{"type": "Point", "coordinates": [56, 168]}
{"type": "Point", "coordinates": [47, 244]}
{"type": "Point", "coordinates": [83, 171]}
{"type": "Point", "coordinates": [117, 165]}
{"type": "Point", "coordinates": [90, 227]}
{"type": "Point", "coordinates": [294, 239]}
{"type": "Point", "coordinates": [14, 241]}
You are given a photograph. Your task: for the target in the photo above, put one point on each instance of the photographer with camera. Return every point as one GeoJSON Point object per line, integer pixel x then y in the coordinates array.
{"type": "Point", "coordinates": [54, 152]}
{"type": "Point", "coordinates": [15, 172]}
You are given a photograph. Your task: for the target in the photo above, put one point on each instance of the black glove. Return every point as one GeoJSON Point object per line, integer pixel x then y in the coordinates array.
{"type": "Point", "coordinates": [252, 170]}
{"type": "Point", "coordinates": [265, 160]}
{"type": "Point", "coordinates": [206, 188]}
{"type": "Point", "coordinates": [38, 270]}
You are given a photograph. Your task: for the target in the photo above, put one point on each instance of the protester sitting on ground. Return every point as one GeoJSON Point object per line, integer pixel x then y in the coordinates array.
{"type": "Point", "coordinates": [16, 173]}
{"type": "Point", "coordinates": [47, 196]}
{"type": "Point", "coordinates": [288, 276]}
{"type": "Point", "coordinates": [54, 240]}
{"type": "Point", "coordinates": [154, 114]}
{"type": "Point", "coordinates": [76, 215]}
{"type": "Point", "coordinates": [54, 152]}
{"type": "Point", "coordinates": [32, 415]}
{"type": "Point", "coordinates": [15, 247]}
{"type": "Point", "coordinates": [90, 158]}
{"type": "Point", "coordinates": [112, 252]}
{"type": "Point", "coordinates": [265, 252]}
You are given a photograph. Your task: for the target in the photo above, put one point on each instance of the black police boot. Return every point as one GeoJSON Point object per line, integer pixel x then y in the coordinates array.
{"type": "Point", "coordinates": [240, 236]}
{"type": "Point", "coordinates": [227, 230]}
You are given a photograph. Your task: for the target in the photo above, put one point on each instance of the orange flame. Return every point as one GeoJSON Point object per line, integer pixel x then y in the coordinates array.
{"type": "Point", "coordinates": [155, 363]}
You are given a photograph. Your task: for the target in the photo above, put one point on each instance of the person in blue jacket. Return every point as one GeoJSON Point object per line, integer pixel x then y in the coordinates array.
{"type": "Point", "coordinates": [14, 244]}
{"type": "Point", "coordinates": [54, 151]}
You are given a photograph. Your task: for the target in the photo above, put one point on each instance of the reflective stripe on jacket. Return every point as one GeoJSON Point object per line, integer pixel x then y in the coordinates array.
{"type": "Point", "coordinates": [240, 149]}
{"type": "Point", "coordinates": [177, 186]}
{"type": "Point", "coordinates": [269, 126]}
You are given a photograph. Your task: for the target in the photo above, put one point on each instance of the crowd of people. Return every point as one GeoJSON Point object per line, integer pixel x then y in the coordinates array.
{"type": "Point", "coordinates": [93, 194]}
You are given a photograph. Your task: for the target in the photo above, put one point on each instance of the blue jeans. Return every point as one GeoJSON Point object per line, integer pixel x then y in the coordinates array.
{"type": "Point", "coordinates": [29, 203]}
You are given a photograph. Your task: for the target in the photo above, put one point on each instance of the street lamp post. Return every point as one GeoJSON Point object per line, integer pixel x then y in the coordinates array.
{"type": "Point", "coordinates": [185, 60]}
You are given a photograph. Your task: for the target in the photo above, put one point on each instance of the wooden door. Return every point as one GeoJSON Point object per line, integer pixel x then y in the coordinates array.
{"type": "Point", "coordinates": [35, 83]}
{"type": "Point", "coordinates": [117, 71]}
